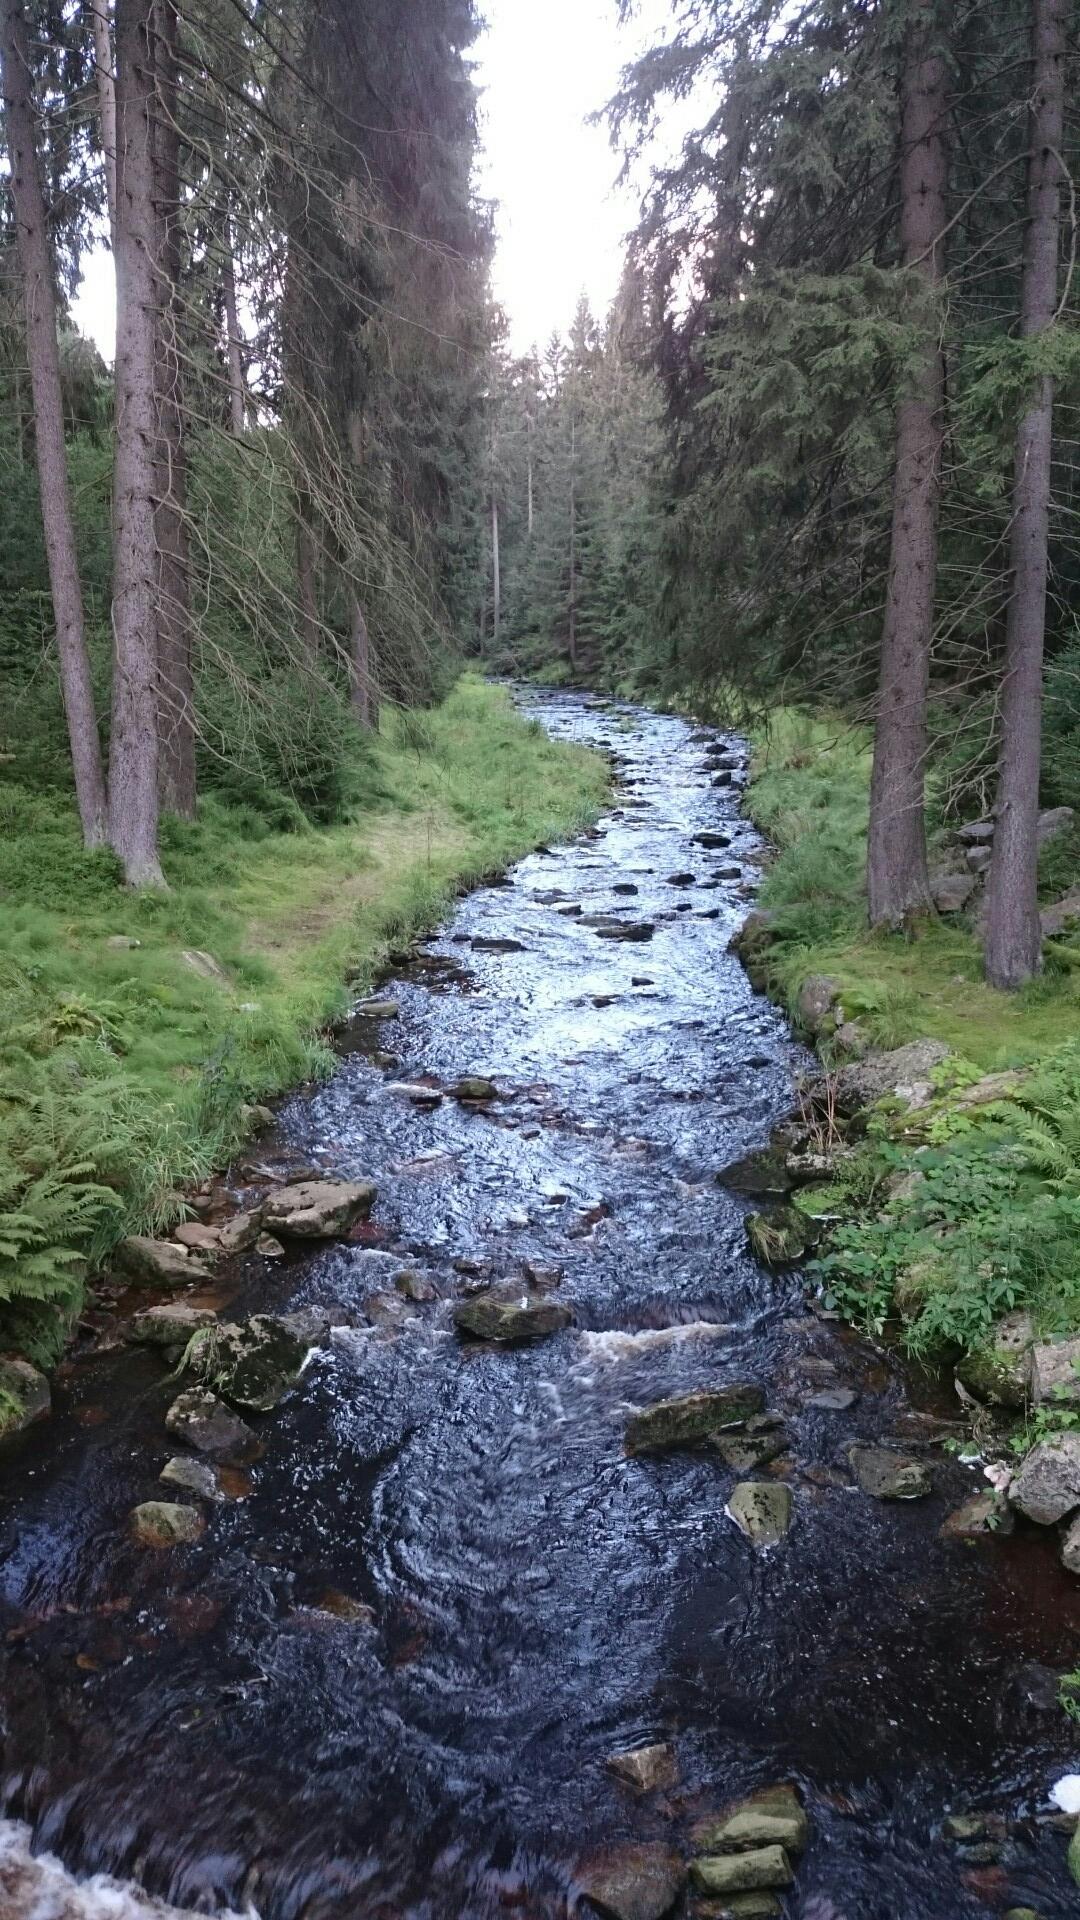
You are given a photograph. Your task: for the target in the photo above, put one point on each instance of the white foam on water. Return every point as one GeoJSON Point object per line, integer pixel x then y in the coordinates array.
{"type": "Point", "coordinates": [37, 1887]}
{"type": "Point", "coordinates": [614, 1346]}
{"type": "Point", "coordinates": [1066, 1794]}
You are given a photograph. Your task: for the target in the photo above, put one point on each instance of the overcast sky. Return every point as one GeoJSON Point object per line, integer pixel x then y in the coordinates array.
{"type": "Point", "coordinates": [542, 70]}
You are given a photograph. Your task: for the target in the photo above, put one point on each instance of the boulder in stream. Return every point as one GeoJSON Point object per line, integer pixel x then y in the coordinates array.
{"type": "Point", "coordinates": [475, 1090]}
{"type": "Point", "coordinates": [251, 1364]}
{"type": "Point", "coordinates": [632, 1883]}
{"type": "Point", "coordinates": [647, 1769]}
{"type": "Point", "coordinates": [318, 1209]}
{"type": "Point", "coordinates": [887, 1475]}
{"type": "Point", "coordinates": [162, 1523]}
{"type": "Point", "coordinates": [195, 1476]}
{"type": "Point", "coordinates": [640, 930]}
{"type": "Point", "coordinates": [514, 1319]}
{"type": "Point", "coordinates": [207, 1424]}
{"type": "Point", "coordinates": [772, 1817]}
{"type": "Point", "coordinates": [712, 837]}
{"type": "Point", "coordinates": [760, 1867]}
{"type": "Point", "coordinates": [24, 1396]}
{"type": "Point", "coordinates": [694, 1419]}
{"type": "Point", "coordinates": [1047, 1486]}
{"type": "Point", "coordinates": [762, 1511]}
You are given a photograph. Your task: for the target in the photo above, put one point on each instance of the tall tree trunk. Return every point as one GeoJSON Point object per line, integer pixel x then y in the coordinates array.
{"type": "Point", "coordinates": [234, 339]}
{"type": "Point", "coordinates": [133, 755]}
{"type": "Point", "coordinates": [176, 687]}
{"type": "Point", "coordinates": [106, 92]}
{"type": "Point", "coordinates": [365, 698]}
{"type": "Point", "coordinates": [496, 579]}
{"type": "Point", "coordinates": [572, 627]}
{"type": "Point", "coordinates": [43, 353]}
{"type": "Point", "coordinates": [1013, 934]}
{"type": "Point", "coordinates": [897, 878]}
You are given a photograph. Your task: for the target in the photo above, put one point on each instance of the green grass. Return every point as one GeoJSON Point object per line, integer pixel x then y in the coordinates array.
{"type": "Point", "coordinates": [991, 1223]}
{"type": "Point", "coordinates": [123, 1072]}
{"type": "Point", "coordinates": [810, 796]}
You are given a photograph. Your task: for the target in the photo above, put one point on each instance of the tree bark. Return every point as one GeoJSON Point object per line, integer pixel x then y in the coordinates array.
{"type": "Point", "coordinates": [233, 337]}
{"type": "Point", "coordinates": [176, 687]}
{"type": "Point", "coordinates": [1013, 933]}
{"type": "Point", "coordinates": [365, 697]}
{"type": "Point", "coordinates": [106, 91]}
{"type": "Point", "coordinates": [572, 628]}
{"type": "Point", "coordinates": [44, 357]}
{"type": "Point", "coordinates": [496, 579]}
{"type": "Point", "coordinates": [897, 878]}
{"type": "Point", "coordinates": [133, 758]}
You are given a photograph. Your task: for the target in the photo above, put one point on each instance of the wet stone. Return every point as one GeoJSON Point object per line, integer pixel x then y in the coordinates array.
{"type": "Point", "coordinates": [513, 1321]}
{"type": "Point", "coordinates": [161, 1523]}
{"type": "Point", "coordinates": [833, 1400]}
{"type": "Point", "coordinates": [207, 1424]}
{"type": "Point", "coordinates": [377, 1010]}
{"type": "Point", "coordinates": [758, 1175]}
{"type": "Point", "coordinates": [772, 1817]}
{"type": "Point", "coordinates": [737, 1906]}
{"type": "Point", "coordinates": [762, 1511]}
{"type": "Point", "coordinates": [647, 1769]}
{"type": "Point", "coordinates": [887, 1475]}
{"type": "Point", "coordinates": [694, 1419]}
{"type": "Point", "coordinates": [632, 1883]}
{"type": "Point", "coordinates": [632, 930]}
{"type": "Point", "coordinates": [764, 1867]}
{"type": "Point", "coordinates": [195, 1476]}
{"type": "Point", "coordinates": [748, 1452]}
{"type": "Point", "coordinates": [318, 1209]}
{"type": "Point", "coordinates": [251, 1364]}
{"type": "Point", "coordinates": [474, 1088]}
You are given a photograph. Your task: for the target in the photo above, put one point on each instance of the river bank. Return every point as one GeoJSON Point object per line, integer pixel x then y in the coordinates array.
{"type": "Point", "coordinates": [474, 1630]}
{"type": "Point", "coordinates": [947, 1185]}
{"type": "Point", "coordinates": [139, 1031]}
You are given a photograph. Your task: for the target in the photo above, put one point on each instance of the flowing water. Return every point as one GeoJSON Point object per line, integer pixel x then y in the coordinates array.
{"type": "Point", "coordinates": [212, 1726]}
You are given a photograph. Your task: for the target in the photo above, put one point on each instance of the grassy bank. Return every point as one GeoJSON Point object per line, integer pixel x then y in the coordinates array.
{"type": "Point", "coordinates": [943, 1220]}
{"type": "Point", "coordinates": [135, 1028]}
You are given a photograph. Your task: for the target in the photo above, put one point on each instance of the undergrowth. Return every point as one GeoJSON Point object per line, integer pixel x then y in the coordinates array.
{"type": "Point", "coordinates": [942, 1221]}
{"type": "Point", "coordinates": [126, 1063]}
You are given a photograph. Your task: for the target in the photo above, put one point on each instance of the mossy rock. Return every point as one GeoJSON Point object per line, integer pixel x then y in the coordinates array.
{"type": "Point", "coordinates": [999, 1374]}
{"type": "Point", "coordinates": [251, 1365]}
{"type": "Point", "coordinates": [780, 1236]}
{"type": "Point", "coordinates": [694, 1420]}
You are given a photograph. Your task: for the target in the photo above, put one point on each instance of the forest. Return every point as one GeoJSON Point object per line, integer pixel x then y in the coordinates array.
{"type": "Point", "coordinates": [539, 969]}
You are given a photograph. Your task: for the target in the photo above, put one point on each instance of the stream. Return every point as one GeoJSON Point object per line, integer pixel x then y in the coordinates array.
{"type": "Point", "coordinates": [387, 1680]}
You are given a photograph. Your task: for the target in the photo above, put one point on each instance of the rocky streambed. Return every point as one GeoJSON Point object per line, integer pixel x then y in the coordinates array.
{"type": "Point", "coordinates": [493, 1533]}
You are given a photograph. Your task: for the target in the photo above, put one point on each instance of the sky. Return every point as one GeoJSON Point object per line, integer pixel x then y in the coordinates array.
{"type": "Point", "coordinates": [560, 219]}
